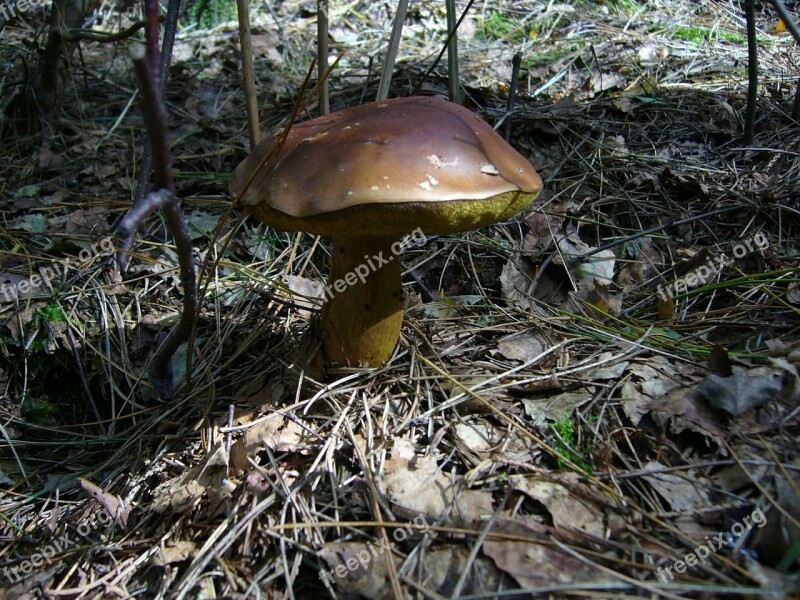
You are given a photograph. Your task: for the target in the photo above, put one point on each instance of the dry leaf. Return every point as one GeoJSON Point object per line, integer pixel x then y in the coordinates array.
{"type": "Point", "coordinates": [523, 346]}
{"type": "Point", "coordinates": [534, 564]}
{"type": "Point", "coordinates": [174, 552]}
{"type": "Point", "coordinates": [683, 493]}
{"type": "Point", "coordinates": [422, 489]}
{"type": "Point", "coordinates": [275, 432]}
{"type": "Point", "coordinates": [307, 293]}
{"type": "Point", "coordinates": [568, 510]}
{"type": "Point", "coordinates": [113, 505]}
{"type": "Point", "coordinates": [403, 452]}
{"type": "Point", "coordinates": [555, 408]}
{"type": "Point", "coordinates": [750, 388]}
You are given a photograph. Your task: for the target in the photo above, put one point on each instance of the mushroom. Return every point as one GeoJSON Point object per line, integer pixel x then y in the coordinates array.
{"type": "Point", "coordinates": [369, 175]}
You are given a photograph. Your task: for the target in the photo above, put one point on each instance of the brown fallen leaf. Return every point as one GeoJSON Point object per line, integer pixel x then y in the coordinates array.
{"type": "Point", "coordinates": [683, 409]}
{"type": "Point", "coordinates": [569, 511]}
{"type": "Point", "coordinates": [537, 563]}
{"type": "Point", "coordinates": [422, 489]}
{"type": "Point", "coordinates": [523, 346]}
{"type": "Point", "coordinates": [683, 493]}
{"type": "Point", "coordinates": [174, 552]}
{"type": "Point", "coordinates": [751, 388]}
{"type": "Point", "coordinates": [495, 444]}
{"type": "Point", "coordinates": [361, 570]}
{"type": "Point", "coordinates": [275, 432]}
{"type": "Point", "coordinates": [555, 408]}
{"type": "Point", "coordinates": [113, 505]}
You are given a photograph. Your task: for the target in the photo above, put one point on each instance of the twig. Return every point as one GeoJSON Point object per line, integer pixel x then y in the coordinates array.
{"type": "Point", "coordinates": [791, 25]}
{"type": "Point", "coordinates": [444, 47]}
{"type": "Point", "coordinates": [146, 165]}
{"type": "Point", "coordinates": [652, 230]}
{"type": "Point", "coordinates": [391, 52]}
{"type": "Point", "coordinates": [91, 35]}
{"type": "Point", "coordinates": [322, 56]}
{"type": "Point", "coordinates": [248, 76]}
{"type": "Point", "coordinates": [452, 52]}
{"type": "Point", "coordinates": [752, 72]}
{"type": "Point", "coordinates": [516, 62]}
{"type": "Point", "coordinates": [787, 19]}
{"type": "Point", "coordinates": [146, 65]}
{"type": "Point", "coordinates": [82, 374]}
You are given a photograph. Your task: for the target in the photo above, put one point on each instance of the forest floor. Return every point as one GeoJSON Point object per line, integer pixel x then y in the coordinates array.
{"type": "Point", "coordinates": [619, 425]}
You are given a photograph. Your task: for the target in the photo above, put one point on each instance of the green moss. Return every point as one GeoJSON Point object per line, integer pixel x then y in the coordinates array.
{"type": "Point", "coordinates": [567, 445]}
{"type": "Point", "coordinates": [39, 410]}
{"type": "Point", "coordinates": [207, 14]}
{"type": "Point", "coordinates": [51, 313]}
{"type": "Point", "coordinates": [548, 57]}
{"type": "Point", "coordinates": [500, 26]}
{"type": "Point", "coordinates": [701, 35]}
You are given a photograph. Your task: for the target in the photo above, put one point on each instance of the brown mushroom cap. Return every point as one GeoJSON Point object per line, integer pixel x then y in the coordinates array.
{"type": "Point", "coordinates": [386, 168]}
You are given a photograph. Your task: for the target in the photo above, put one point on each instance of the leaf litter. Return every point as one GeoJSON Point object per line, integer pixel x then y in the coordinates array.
{"type": "Point", "coordinates": [538, 344]}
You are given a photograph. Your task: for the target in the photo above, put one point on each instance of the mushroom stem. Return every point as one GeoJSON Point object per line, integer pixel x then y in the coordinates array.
{"type": "Point", "coordinates": [363, 310]}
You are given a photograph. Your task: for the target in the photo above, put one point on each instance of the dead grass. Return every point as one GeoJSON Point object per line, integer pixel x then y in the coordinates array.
{"type": "Point", "coordinates": [536, 433]}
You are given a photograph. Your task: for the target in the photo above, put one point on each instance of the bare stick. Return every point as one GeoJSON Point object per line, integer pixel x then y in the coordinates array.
{"type": "Point", "coordinates": [248, 75]}
{"type": "Point", "coordinates": [444, 47]}
{"type": "Point", "coordinates": [452, 52]}
{"type": "Point", "coordinates": [391, 53]}
{"type": "Point", "coordinates": [146, 164]}
{"type": "Point", "coordinates": [154, 111]}
{"type": "Point", "coordinates": [752, 72]}
{"type": "Point", "coordinates": [322, 56]}
{"type": "Point", "coordinates": [516, 62]}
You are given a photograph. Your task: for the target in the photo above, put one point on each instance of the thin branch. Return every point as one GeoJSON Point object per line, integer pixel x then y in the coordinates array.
{"type": "Point", "coordinates": [391, 52]}
{"type": "Point", "coordinates": [651, 231]}
{"type": "Point", "coordinates": [516, 62]}
{"type": "Point", "coordinates": [752, 72]}
{"type": "Point", "coordinates": [322, 56]}
{"type": "Point", "coordinates": [248, 75]}
{"type": "Point", "coordinates": [444, 48]}
{"type": "Point", "coordinates": [452, 52]}
{"type": "Point", "coordinates": [97, 35]}
{"type": "Point", "coordinates": [147, 66]}
{"type": "Point", "coordinates": [146, 164]}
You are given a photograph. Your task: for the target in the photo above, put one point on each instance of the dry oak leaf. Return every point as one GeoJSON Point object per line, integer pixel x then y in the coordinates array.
{"type": "Point", "coordinates": [683, 493]}
{"type": "Point", "coordinates": [422, 489]}
{"type": "Point", "coordinates": [276, 432]}
{"type": "Point", "coordinates": [569, 511]}
{"type": "Point", "coordinates": [537, 563]}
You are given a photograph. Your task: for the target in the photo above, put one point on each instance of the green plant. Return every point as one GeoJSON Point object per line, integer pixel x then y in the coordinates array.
{"type": "Point", "coordinates": [50, 313]}
{"type": "Point", "coordinates": [207, 14]}
{"type": "Point", "coordinates": [39, 410]}
{"type": "Point", "coordinates": [701, 35]}
{"type": "Point", "coordinates": [541, 59]}
{"type": "Point", "coordinates": [499, 26]}
{"type": "Point", "coordinates": [566, 445]}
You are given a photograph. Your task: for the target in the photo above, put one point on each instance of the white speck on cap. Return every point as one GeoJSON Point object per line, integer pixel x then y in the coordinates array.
{"type": "Point", "coordinates": [426, 185]}
{"type": "Point", "coordinates": [439, 162]}
{"type": "Point", "coordinates": [489, 169]}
